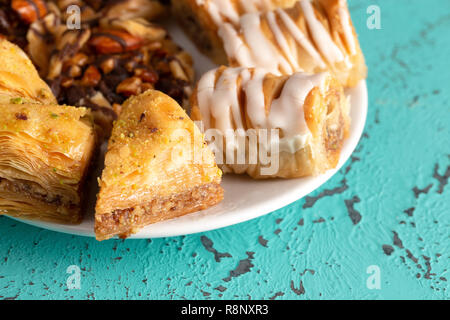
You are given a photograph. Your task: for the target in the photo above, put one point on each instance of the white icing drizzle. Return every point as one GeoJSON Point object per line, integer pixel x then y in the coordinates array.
{"type": "Point", "coordinates": [205, 89]}
{"type": "Point", "coordinates": [233, 43]}
{"type": "Point", "coordinates": [300, 37]}
{"type": "Point", "coordinates": [255, 100]}
{"type": "Point", "coordinates": [263, 51]}
{"type": "Point", "coordinates": [295, 143]}
{"type": "Point", "coordinates": [250, 6]}
{"type": "Point", "coordinates": [219, 98]}
{"type": "Point", "coordinates": [226, 10]}
{"type": "Point", "coordinates": [348, 32]}
{"type": "Point", "coordinates": [321, 35]}
{"type": "Point", "coordinates": [287, 111]}
{"type": "Point", "coordinates": [281, 40]}
{"type": "Point", "coordinates": [224, 101]}
{"type": "Point", "coordinates": [251, 47]}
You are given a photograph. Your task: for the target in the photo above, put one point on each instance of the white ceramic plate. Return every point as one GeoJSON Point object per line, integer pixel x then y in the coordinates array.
{"type": "Point", "coordinates": [245, 199]}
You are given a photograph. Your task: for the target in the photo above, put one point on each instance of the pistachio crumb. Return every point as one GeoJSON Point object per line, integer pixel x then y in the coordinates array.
{"type": "Point", "coordinates": [43, 93]}
{"type": "Point", "coordinates": [16, 100]}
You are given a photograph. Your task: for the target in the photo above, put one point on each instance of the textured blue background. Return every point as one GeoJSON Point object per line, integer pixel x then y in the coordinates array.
{"type": "Point", "coordinates": [396, 183]}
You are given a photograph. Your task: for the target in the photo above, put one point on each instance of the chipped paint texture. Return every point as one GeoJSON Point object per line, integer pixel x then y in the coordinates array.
{"type": "Point", "coordinates": [388, 207]}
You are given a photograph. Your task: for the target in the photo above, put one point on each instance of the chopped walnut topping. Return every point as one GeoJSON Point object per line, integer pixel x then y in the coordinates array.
{"type": "Point", "coordinates": [30, 10]}
{"type": "Point", "coordinates": [91, 77]}
{"type": "Point", "coordinates": [130, 87]}
{"type": "Point", "coordinates": [108, 65]}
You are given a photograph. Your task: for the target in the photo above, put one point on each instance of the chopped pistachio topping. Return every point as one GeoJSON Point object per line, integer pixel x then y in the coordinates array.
{"type": "Point", "coordinates": [16, 100]}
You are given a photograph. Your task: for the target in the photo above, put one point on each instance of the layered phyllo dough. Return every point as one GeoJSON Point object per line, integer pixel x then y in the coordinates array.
{"type": "Point", "coordinates": [19, 79]}
{"type": "Point", "coordinates": [157, 167]}
{"type": "Point", "coordinates": [45, 149]}
{"type": "Point", "coordinates": [45, 152]}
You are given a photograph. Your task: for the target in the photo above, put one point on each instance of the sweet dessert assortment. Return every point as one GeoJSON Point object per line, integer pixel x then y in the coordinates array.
{"type": "Point", "coordinates": [118, 77]}
{"type": "Point", "coordinates": [116, 52]}
{"type": "Point", "coordinates": [309, 111]}
{"type": "Point", "coordinates": [157, 167]}
{"type": "Point", "coordinates": [45, 149]}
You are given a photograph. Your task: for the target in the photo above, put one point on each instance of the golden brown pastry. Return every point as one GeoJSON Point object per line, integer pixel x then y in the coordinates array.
{"type": "Point", "coordinates": [19, 78]}
{"type": "Point", "coordinates": [312, 36]}
{"type": "Point", "coordinates": [45, 152]}
{"type": "Point", "coordinates": [201, 19]}
{"type": "Point", "coordinates": [45, 149]}
{"type": "Point", "coordinates": [272, 126]}
{"type": "Point", "coordinates": [157, 167]}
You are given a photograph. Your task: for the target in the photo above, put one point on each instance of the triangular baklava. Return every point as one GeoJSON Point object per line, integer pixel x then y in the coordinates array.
{"type": "Point", "coordinates": [157, 167]}
{"type": "Point", "coordinates": [45, 149]}
{"type": "Point", "coordinates": [19, 79]}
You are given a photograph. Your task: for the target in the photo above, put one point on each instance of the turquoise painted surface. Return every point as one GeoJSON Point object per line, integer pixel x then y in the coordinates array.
{"type": "Point", "coordinates": [396, 183]}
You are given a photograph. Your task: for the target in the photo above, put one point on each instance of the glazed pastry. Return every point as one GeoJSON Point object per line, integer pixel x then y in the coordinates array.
{"type": "Point", "coordinates": [201, 19]}
{"type": "Point", "coordinates": [45, 151]}
{"type": "Point", "coordinates": [157, 167]}
{"type": "Point", "coordinates": [19, 78]}
{"type": "Point", "coordinates": [272, 126]}
{"type": "Point", "coordinates": [116, 54]}
{"type": "Point", "coordinates": [312, 36]}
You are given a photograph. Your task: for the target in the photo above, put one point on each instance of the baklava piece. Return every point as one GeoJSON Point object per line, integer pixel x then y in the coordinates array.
{"type": "Point", "coordinates": [157, 167]}
{"type": "Point", "coordinates": [45, 151]}
{"type": "Point", "coordinates": [19, 79]}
